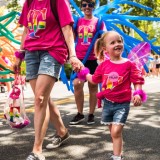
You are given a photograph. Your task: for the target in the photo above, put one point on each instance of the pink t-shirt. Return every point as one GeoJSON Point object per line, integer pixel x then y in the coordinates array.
{"type": "Point", "coordinates": [86, 29]}
{"type": "Point", "coordinates": [44, 31]}
{"type": "Point", "coordinates": [116, 79]}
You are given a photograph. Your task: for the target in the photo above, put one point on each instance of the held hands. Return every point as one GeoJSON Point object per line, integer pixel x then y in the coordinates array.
{"type": "Point", "coordinates": [83, 73]}
{"type": "Point", "coordinates": [76, 63]}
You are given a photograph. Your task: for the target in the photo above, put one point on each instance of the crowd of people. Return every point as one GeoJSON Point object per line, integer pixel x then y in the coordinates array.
{"type": "Point", "coordinates": [47, 43]}
{"type": "Point", "coordinates": [153, 65]}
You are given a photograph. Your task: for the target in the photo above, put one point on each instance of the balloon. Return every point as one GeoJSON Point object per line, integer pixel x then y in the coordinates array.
{"type": "Point", "coordinates": [4, 71]}
{"type": "Point", "coordinates": [140, 53]}
{"type": "Point", "coordinates": [116, 17]}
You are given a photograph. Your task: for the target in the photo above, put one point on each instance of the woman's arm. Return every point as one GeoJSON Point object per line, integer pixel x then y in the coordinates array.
{"type": "Point", "coordinates": [18, 61]}
{"type": "Point", "coordinates": [69, 38]}
{"type": "Point", "coordinates": [23, 38]}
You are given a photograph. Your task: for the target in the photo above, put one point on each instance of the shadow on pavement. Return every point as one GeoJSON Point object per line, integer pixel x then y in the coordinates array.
{"type": "Point", "coordinates": [90, 142]}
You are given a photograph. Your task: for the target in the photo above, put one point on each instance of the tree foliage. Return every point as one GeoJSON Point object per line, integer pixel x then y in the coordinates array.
{"type": "Point", "coordinates": [13, 5]}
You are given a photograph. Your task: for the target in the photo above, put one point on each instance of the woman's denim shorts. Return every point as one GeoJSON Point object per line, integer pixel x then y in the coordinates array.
{"type": "Point", "coordinates": [115, 113]}
{"type": "Point", "coordinates": [41, 62]}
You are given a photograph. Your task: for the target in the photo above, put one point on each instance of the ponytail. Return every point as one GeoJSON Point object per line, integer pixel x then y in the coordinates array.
{"type": "Point", "coordinates": [99, 47]}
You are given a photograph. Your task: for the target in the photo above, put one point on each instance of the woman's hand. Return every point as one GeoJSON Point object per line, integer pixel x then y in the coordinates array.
{"type": "Point", "coordinates": [76, 63]}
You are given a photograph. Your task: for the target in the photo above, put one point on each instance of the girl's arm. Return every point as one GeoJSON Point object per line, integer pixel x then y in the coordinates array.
{"type": "Point", "coordinates": [89, 78]}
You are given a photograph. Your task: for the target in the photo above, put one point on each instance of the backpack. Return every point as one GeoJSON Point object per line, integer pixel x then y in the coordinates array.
{"type": "Point", "coordinates": [53, 7]}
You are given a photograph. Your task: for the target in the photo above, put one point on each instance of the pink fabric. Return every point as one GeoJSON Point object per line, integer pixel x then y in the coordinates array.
{"type": "Point", "coordinates": [86, 30]}
{"type": "Point", "coordinates": [19, 55]}
{"type": "Point", "coordinates": [141, 93]}
{"type": "Point", "coordinates": [116, 79]}
{"type": "Point", "coordinates": [44, 31]}
{"type": "Point", "coordinates": [83, 73]}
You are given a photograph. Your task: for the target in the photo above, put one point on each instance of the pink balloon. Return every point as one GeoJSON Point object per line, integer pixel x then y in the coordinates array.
{"type": "Point", "coordinates": [140, 53]}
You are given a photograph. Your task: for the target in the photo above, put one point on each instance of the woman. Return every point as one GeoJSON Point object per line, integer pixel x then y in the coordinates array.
{"type": "Point", "coordinates": [46, 42]}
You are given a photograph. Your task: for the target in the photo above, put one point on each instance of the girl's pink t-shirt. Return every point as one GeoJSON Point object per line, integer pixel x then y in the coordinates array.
{"type": "Point", "coordinates": [44, 32]}
{"type": "Point", "coordinates": [86, 29]}
{"type": "Point", "coordinates": [116, 79]}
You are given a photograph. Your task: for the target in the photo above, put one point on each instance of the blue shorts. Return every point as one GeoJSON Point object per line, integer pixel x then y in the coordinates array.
{"type": "Point", "coordinates": [41, 62]}
{"type": "Point", "coordinates": [115, 113]}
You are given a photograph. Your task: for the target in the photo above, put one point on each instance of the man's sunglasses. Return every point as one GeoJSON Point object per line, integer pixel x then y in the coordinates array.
{"type": "Point", "coordinates": [90, 5]}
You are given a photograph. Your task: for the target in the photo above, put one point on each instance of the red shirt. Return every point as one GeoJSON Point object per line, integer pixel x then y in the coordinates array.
{"type": "Point", "coordinates": [44, 30]}
{"type": "Point", "coordinates": [116, 79]}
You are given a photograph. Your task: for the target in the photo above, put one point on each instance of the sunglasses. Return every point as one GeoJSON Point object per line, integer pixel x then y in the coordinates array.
{"type": "Point", "coordinates": [90, 5]}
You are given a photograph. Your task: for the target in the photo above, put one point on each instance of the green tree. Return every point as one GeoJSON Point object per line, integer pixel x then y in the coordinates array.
{"type": "Point", "coordinates": [14, 5]}
{"type": "Point", "coordinates": [149, 27]}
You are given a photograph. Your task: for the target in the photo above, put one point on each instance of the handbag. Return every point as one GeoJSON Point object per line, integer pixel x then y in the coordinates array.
{"type": "Point", "coordinates": [14, 108]}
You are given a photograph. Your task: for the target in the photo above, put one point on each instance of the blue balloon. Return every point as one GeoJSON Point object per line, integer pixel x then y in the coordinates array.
{"type": "Point", "coordinates": [116, 18]}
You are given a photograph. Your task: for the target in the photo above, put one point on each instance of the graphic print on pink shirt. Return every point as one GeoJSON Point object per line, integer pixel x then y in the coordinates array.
{"type": "Point", "coordinates": [86, 32]}
{"type": "Point", "coordinates": [111, 80]}
{"type": "Point", "coordinates": [36, 21]}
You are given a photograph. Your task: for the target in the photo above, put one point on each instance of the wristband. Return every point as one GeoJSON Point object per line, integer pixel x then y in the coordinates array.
{"type": "Point", "coordinates": [82, 74]}
{"type": "Point", "coordinates": [72, 56]}
{"type": "Point", "coordinates": [20, 54]}
{"type": "Point", "coordinates": [141, 93]}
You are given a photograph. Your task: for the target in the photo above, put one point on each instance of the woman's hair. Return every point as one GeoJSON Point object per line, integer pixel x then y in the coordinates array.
{"type": "Point", "coordinates": [100, 44]}
{"type": "Point", "coordinates": [88, 1]}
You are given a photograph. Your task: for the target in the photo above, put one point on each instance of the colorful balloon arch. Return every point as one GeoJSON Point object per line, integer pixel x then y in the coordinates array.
{"type": "Point", "coordinates": [112, 20]}
{"type": "Point", "coordinates": [117, 17]}
{"type": "Point", "coordinates": [9, 42]}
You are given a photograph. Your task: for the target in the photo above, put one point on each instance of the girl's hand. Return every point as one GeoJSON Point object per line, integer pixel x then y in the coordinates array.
{"type": "Point", "coordinates": [83, 73]}
{"type": "Point", "coordinates": [137, 101]}
{"type": "Point", "coordinates": [76, 64]}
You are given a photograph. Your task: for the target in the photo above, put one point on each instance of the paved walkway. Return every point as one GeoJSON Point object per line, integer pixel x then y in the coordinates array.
{"type": "Point", "coordinates": [88, 142]}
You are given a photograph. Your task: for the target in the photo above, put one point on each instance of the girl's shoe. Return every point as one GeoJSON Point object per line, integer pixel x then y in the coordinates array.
{"type": "Point", "coordinates": [113, 157]}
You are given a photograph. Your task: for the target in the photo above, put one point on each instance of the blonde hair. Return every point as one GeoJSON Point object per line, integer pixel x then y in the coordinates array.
{"type": "Point", "coordinates": [100, 44]}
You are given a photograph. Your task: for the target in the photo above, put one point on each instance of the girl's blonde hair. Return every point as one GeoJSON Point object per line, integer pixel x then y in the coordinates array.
{"type": "Point", "coordinates": [100, 44]}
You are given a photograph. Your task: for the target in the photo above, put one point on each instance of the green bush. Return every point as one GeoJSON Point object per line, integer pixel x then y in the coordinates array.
{"type": "Point", "coordinates": [68, 70]}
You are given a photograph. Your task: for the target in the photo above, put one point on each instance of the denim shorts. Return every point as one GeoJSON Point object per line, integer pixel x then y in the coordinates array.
{"type": "Point", "coordinates": [115, 113]}
{"type": "Point", "coordinates": [41, 62]}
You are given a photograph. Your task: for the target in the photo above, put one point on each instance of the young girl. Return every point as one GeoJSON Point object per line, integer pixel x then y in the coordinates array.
{"type": "Point", "coordinates": [116, 75]}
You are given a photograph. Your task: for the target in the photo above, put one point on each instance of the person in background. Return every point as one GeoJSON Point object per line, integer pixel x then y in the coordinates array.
{"type": "Point", "coordinates": [157, 62]}
{"type": "Point", "coordinates": [85, 31]}
{"type": "Point", "coordinates": [46, 44]}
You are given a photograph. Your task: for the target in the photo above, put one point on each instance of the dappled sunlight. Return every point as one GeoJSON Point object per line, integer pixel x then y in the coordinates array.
{"type": "Point", "coordinates": [88, 142]}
